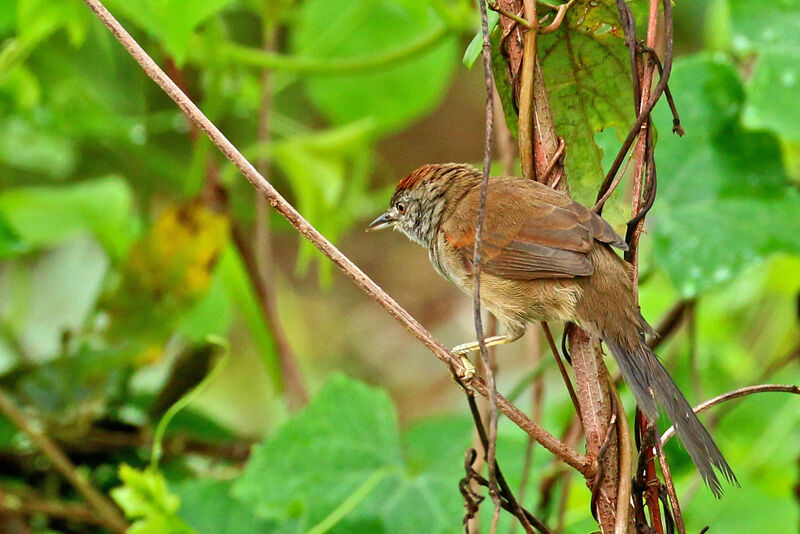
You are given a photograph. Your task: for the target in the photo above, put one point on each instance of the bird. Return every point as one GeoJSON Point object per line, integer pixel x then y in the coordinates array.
{"type": "Point", "coordinates": [544, 257]}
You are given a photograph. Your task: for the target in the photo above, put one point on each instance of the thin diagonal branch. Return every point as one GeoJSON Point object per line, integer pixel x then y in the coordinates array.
{"type": "Point", "coordinates": [561, 368]}
{"type": "Point", "coordinates": [573, 458]}
{"type": "Point", "coordinates": [28, 503]}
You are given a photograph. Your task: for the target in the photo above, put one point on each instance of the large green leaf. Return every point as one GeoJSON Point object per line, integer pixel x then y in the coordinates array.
{"type": "Point", "coordinates": [208, 507]}
{"type": "Point", "coordinates": [723, 198]}
{"type": "Point", "coordinates": [586, 69]}
{"type": "Point", "coordinates": [31, 147]}
{"type": "Point", "coordinates": [341, 458]}
{"type": "Point", "coordinates": [769, 30]}
{"type": "Point", "coordinates": [393, 94]}
{"type": "Point", "coordinates": [345, 435]}
{"type": "Point", "coordinates": [49, 215]}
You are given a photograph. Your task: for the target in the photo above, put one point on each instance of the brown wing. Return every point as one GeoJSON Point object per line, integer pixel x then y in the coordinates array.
{"type": "Point", "coordinates": [530, 231]}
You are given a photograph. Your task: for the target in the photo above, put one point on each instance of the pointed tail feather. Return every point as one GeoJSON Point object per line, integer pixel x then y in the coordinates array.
{"type": "Point", "coordinates": [652, 387]}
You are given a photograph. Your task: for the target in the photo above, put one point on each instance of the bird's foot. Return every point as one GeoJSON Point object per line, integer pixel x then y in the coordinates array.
{"type": "Point", "coordinates": [469, 370]}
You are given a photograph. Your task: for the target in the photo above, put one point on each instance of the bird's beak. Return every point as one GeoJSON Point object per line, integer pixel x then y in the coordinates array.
{"type": "Point", "coordinates": [384, 221]}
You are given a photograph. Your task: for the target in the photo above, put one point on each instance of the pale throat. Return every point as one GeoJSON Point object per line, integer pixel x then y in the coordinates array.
{"type": "Point", "coordinates": [422, 229]}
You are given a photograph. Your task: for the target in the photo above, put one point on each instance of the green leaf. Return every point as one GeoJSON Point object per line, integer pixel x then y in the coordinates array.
{"type": "Point", "coordinates": [7, 432]}
{"type": "Point", "coordinates": [773, 94]}
{"type": "Point", "coordinates": [50, 294]}
{"type": "Point", "coordinates": [8, 16]}
{"type": "Point", "coordinates": [503, 85]}
{"type": "Point", "coordinates": [211, 348]}
{"type": "Point", "coordinates": [31, 148]}
{"type": "Point", "coordinates": [49, 215]}
{"type": "Point", "coordinates": [145, 498]}
{"type": "Point", "coordinates": [724, 201]}
{"type": "Point", "coordinates": [394, 94]}
{"type": "Point", "coordinates": [346, 434]}
{"type": "Point", "coordinates": [328, 172]}
{"type": "Point", "coordinates": [756, 26]}
{"type": "Point", "coordinates": [171, 21]}
{"type": "Point", "coordinates": [239, 289]}
{"type": "Point", "coordinates": [476, 44]}
{"type": "Point", "coordinates": [769, 30]}
{"type": "Point", "coordinates": [358, 480]}
{"type": "Point", "coordinates": [212, 314]}
{"type": "Point", "coordinates": [37, 19]}
{"type": "Point", "coordinates": [586, 68]}
{"type": "Point", "coordinates": [209, 508]}
{"type": "Point", "coordinates": [10, 243]}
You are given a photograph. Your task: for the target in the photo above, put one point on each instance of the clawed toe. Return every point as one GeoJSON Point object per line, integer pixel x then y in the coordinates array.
{"type": "Point", "coordinates": [469, 370]}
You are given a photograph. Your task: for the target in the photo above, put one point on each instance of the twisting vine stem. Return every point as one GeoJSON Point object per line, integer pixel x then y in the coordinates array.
{"type": "Point", "coordinates": [476, 261]}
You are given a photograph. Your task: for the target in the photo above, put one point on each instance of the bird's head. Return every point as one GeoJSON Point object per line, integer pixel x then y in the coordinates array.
{"type": "Point", "coordinates": [424, 197]}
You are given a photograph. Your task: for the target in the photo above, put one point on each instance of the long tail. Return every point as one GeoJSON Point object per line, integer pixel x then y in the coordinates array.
{"type": "Point", "coordinates": [651, 384]}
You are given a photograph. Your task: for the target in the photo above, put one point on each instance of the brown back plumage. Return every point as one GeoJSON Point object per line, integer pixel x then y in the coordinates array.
{"type": "Point", "coordinates": [530, 231]}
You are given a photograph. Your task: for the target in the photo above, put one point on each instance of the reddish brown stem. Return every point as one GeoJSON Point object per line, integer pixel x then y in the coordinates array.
{"type": "Point", "coordinates": [491, 451]}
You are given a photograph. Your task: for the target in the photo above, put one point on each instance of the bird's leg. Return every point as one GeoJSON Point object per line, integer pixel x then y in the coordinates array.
{"type": "Point", "coordinates": [474, 346]}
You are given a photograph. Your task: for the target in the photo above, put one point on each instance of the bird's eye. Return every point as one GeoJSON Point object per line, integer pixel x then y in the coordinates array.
{"type": "Point", "coordinates": [401, 208]}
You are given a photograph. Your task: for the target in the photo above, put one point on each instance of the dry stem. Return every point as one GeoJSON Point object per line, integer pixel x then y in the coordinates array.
{"type": "Point", "coordinates": [491, 451]}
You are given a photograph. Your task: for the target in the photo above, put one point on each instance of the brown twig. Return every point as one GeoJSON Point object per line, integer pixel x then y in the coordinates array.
{"type": "Point", "coordinates": [561, 368]}
{"type": "Point", "coordinates": [677, 515]}
{"type": "Point", "coordinates": [592, 390]}
{"type": "Point", "coordinates": [507, 499]}
{"type": "Point", "coordinates": [652, 484]}
{"type": "Point", "coordinates": [644, 181]}
{"type": "Point", "coordinates": [526, 113]}
{"type": "Point", "coordinates": [677, 128]}
{"type": "Point", "coordinates": [771, 369]}
{"type": "Point", "coordinates": [193, 113]}
{"type": "Point", "coordinates": [106, 510]}
{"type": "Point", "coordinates": [537, 393]}
{"type": "Point", "coordinates": [28, 503]}
{"type": "Point", "coordinates": [644, 112]}
{"type": "Point", "coordinates": [476, 262]}
{"type": "Point", "coordinates": [644, 143]}
{"type": "Point", "coordinates": [555, 160]}
{"type": "Point", "coordinates": [508, 14]}
{"type": "Point", "coordinates": [624, 447]}
{"type": "Point", "coordinates": [647, 482]}
{"type": "Point", "coordinates": [558, 19]}
{"type": "Point", "coordinates": [602, 453]}
{"type": "Point", "coordinates": [735, 394]}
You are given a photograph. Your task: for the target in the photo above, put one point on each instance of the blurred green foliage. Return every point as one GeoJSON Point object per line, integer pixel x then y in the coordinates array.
{"type": "Point", "coordinates": [117, 256]}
